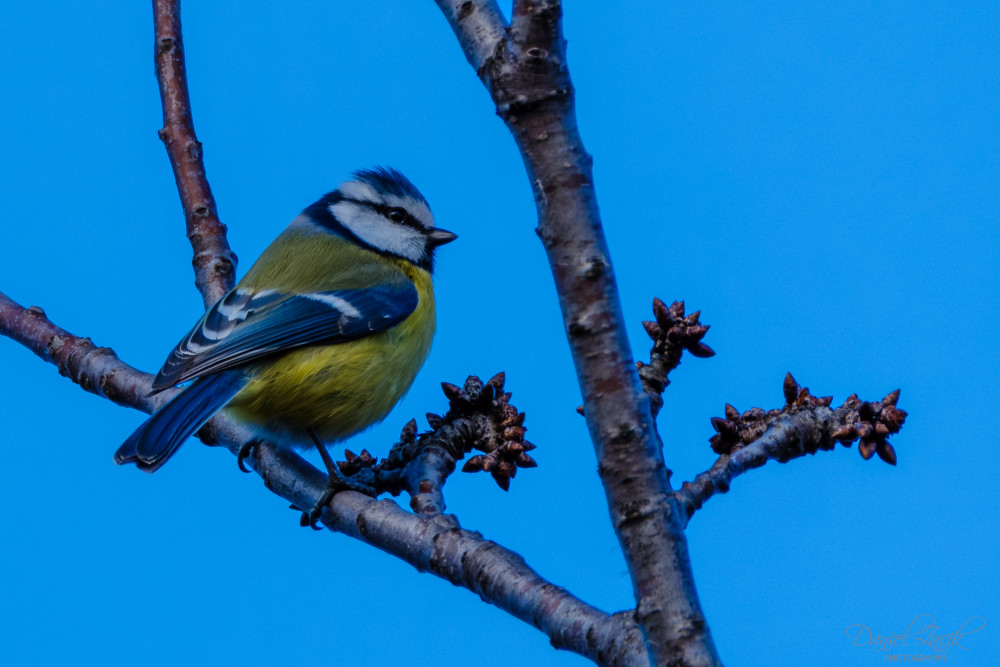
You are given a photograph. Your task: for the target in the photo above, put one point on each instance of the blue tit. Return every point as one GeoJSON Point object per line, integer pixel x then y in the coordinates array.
{"type": "Point", "coordinates": [321, 337]}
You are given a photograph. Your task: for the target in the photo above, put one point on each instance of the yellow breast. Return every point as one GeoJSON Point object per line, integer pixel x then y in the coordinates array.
{"type": "Point", "coordinates": [343, 388]}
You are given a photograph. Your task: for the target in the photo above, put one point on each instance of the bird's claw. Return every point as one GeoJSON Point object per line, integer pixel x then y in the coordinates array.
{"type": "Point", "coordinates": [244, 453]}
{"type": "Point", "coordinates": [336, 481]}
{"type": "Point", "coordinates": [317, 511]}
{"type": "Point", "coordinates": [306, 518]}
{"type": "Point", "coordinates": [334, 485]}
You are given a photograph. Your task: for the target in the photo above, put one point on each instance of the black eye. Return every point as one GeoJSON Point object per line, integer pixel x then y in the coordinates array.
{"type": "Point", "coordinates": [396, 214]}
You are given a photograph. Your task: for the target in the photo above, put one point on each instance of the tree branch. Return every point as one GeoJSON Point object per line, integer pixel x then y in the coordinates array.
{"type": "Point", "coordinates": [480, 416]}
{"type": "Point", "coordinates": [437, 544]}
{"type": "Point", "coordinates": [432, 543]}
{"type": "Point", "coordinates": [479, 26]}
{"type": "Point", "coordinates": [528, 78]}
{"type": "Point", "coordinates": [790, 437]}
{"type": "Point", "coordinates": [672, 333]}
{"type": "Point", "coordinates": [96, 369]}
{"type": "Point", "coordinates": [214, 262]}
{"type": "Point", "coordinates": [805, 425]}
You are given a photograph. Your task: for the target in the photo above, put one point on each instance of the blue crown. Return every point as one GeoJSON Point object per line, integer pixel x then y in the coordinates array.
{"type": "Point", "coordinates": [389, 181]}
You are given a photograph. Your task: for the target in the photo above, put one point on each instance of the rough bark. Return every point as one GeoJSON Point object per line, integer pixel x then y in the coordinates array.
{"type": "Point", "coordinates": [525, 70]}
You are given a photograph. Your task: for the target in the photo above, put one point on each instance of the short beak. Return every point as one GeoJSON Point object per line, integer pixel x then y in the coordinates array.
{"type": "Point", "coordinates": [439, 236]}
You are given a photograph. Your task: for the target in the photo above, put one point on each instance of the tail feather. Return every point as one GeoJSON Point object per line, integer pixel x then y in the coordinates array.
{"type": "Point", "coordinates": [156, 440]}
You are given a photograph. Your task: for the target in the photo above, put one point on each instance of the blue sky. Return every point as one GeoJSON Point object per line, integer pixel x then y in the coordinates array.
{"type": "Point", "coordinates": [820, 179]}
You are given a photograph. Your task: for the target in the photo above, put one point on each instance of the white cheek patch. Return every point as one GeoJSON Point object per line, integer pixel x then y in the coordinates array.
{"type": "Point", "coordinates": [378, 232]}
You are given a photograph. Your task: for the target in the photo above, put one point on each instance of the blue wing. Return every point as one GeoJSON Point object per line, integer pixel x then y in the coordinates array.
{"type": "Point", "coordinates": [245, 325]}
{"type": "Point", "coordinates": [159, 436]}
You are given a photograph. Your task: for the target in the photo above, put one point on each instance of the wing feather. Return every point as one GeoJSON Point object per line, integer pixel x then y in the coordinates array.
{"type": "Point", "coordinates": [244, 326]}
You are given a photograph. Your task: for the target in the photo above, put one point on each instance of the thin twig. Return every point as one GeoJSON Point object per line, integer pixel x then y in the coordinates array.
{"type": "Point", "coordinates": [214, 262]}
{"type": "Point", "coordinates": [805, 425]}
{"type": "Point", "coordinates": [480, 416]}
{"type": "Point", "coordinates": [792, 436]}
{"type": "Point", "coordinates": [672, 333]}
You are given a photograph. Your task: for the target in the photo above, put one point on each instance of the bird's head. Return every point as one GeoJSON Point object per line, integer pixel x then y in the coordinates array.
{"type": "Point", "coordinates": [381, 209]}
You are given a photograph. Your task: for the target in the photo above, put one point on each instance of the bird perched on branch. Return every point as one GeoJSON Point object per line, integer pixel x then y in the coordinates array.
{"type": "Point", "coordinates": [321, 337]}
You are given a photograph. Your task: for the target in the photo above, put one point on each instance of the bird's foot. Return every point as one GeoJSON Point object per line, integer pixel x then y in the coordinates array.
{"type": "Point", "coordinates": [245, 452]}
{"type": "Point", "coordinates": [336, 481]}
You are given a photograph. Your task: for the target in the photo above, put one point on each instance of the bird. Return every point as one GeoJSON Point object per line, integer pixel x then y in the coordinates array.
{"type": "Point", "coordinates": [322, 336]}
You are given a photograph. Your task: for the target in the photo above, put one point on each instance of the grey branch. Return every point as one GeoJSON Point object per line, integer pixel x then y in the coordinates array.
{"type": "Point", "coordinates": [526, 73]}
{"type": "Point", "coordinates": [433, 544]}
{"type": "Point", "coordinates": [790, 437]}
{"type": "Point", "coordinates": [214, 262]}
{"type": "Point", "coordinates": [805, 425]}
{"type": "Point", "coordinates": [479, 26]}
{"type": "Point", "coordinates": [96, 369]}
{"type": "Point", "coordinates": [437, 544]}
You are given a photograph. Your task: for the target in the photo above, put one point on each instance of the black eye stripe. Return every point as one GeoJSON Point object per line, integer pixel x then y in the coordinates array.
{"type": "Point", "coordinates": [398, 215]}
{"type": "Point", "coordinates": [386, 212]}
